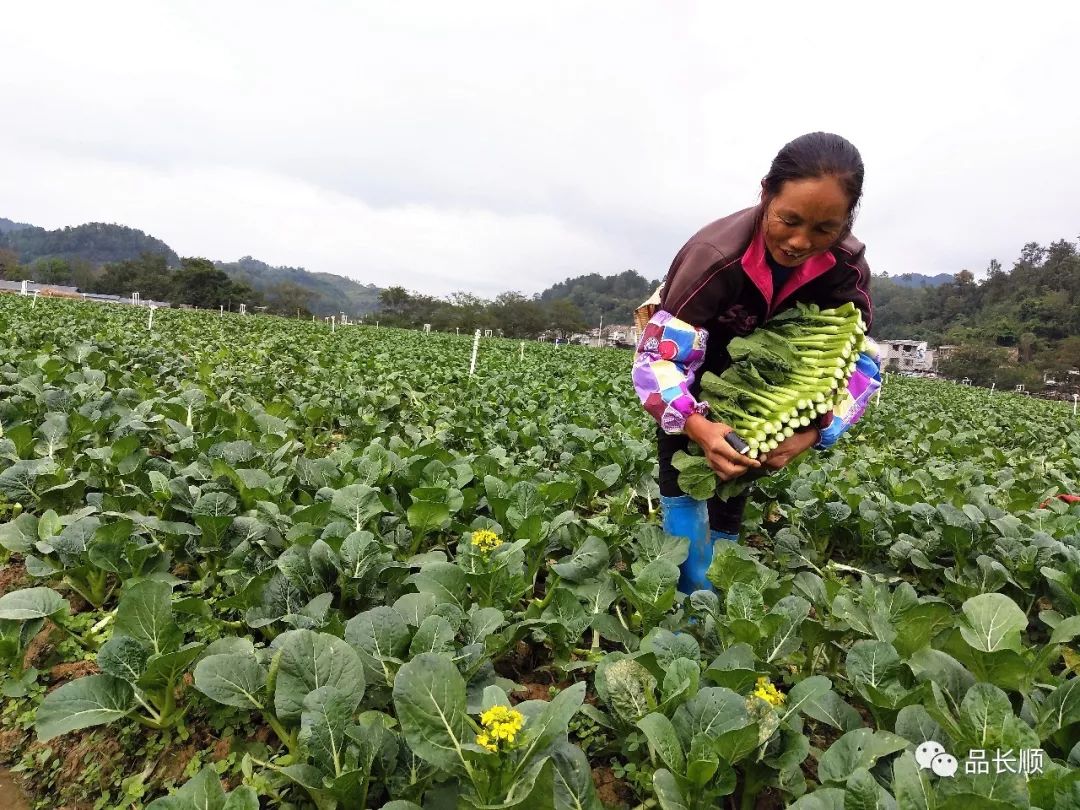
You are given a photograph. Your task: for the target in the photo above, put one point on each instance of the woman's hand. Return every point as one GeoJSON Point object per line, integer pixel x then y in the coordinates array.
{"type": "Point", "coordinates": [726, 461]}
{"type": "Point", "coordinates": [791, 447]}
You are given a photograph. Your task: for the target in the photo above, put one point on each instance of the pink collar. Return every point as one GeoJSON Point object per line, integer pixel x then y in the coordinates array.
{"type": "Point", "coordinates": [755, 266]}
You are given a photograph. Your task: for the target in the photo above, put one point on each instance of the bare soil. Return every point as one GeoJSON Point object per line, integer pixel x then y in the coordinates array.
{"type": "Point", "coordinates": [11, 795]}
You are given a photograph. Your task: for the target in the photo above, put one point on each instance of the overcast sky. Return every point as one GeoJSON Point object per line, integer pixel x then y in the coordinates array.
{"type": "Point", "coordinates": [489, 146]}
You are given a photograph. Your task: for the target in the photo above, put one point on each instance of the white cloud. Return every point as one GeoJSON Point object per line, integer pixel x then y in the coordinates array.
{"type": "Point", "coordinates": [494, 146]}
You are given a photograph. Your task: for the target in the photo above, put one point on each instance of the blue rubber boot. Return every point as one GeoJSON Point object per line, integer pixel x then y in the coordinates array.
{"type": "Point", "coordinates": [682, 516]}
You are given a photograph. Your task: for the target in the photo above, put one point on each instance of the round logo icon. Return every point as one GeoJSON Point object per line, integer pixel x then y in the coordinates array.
{"type": "Point", "coordinates": [926, 752]}
{"type": "Point", "coordinates": [944, 765]}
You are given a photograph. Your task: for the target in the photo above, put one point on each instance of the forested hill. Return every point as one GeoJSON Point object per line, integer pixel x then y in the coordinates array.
{"type": "Point", "coordinates": [94, 242]}
{"type": "Point", "coordinates": [919, 280]}
{"type": "Point", "coordinates": [6, 225]}
{"type": "Point", "coordinates": [108, 258]}
{"type": "Point", "coordinates": [329, 293]}
{"type": "Point", "coordinates": [1030, 313]}
{"type": "Point", "coordinates": [613, 297]}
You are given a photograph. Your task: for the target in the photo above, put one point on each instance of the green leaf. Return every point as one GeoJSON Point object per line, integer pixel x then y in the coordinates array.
{"type": "Point", "coordinates": [308, 661]}
{"type": "Point", "coordinates": [911, 784]}
{"type": "Point", "coordinates": [31, 603]}
{"type": "Point", "coordinates": [429, 696]}
{"type": "Point", "coordinates": [864, 793]}
{"type": "Point", "coordinates": [243, 798]}
{"type": "Point", "coordinates": [425, 517]}
{"type": "Point", "coordinates": [702, 761]}
{"type": "Point", "coordinates": [832, 709]}
{"type": "Point", "coordinates": [359, 503]}
{"type": "Point", "coordinates": [381, 637]}
{"type": "Point", "coordinates": [89, 701]}
{"type": "Point", "coordinates": [1066, 630]}
{"type": "Point", "coordinates": [696, 477]}
{"type": "Point", "coordinates": [780, 628]}
{"type": "Point", "coordinates": [145, 613]}
{"type": "Point", "coordinates": [1060, 709]}
{"type": "Point", "coordinates": [163, 671]}
{"type": "Point", "coordinates": [445, 581]}
{"type": "Point", "coordinates": [483, 623]}
{"type": "Point", "coordinates": [713, 711]}
{"type": "Point", "coordinates": [664, 740]}
{"type": "Point", "coordinates": [20, 534]}
{"type": "Point", "coordinates": [627, 687]}
{"type": "Point", "coordinates": [587, 561]}
{"type": "Point", "coordinates": [547, 722]}
{"type": "Point", "coordinates": [873, 663]}
{"type": "Point", "coordinates": [123, 657]}
{"type": "Point", "coordinates": [574, 788]}
{"type": "Point", "coordinates": [415, 607]}
{"type": "Point", "coordinates": [919, 625]}
{"type": "Point", "coordinates": [860, 748]}
{"type": "Point", "coordinates": [202, 792]}
{"type": "Point", "coordinates": [327, 713]}
{"type": "Point", "coordinates": [524, 502]}
{"type": "Point", "coordinates": [915, 724]}
{"type": "Point", "coordinates": [993, 622]}
{"type": "Point", "coordinates": [668, 646]}
{"type": "Point", "coordinates": [434, 635]}
{"type": "Point", "coordinates": [667, 791]}
{"type": "Point", "coordinates": [983, 712]}
{"type": "Point", "coordinates": [233, 679]}
{"type": "Point", "coordinates": [804, 693]}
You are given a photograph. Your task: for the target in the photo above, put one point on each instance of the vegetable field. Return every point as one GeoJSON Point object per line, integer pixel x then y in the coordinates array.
{"type": "Point", "coordinates": [249, 562]}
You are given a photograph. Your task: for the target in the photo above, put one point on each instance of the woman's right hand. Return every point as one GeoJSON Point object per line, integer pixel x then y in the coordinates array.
{"type": "Point", "coordinates": [726, 461]}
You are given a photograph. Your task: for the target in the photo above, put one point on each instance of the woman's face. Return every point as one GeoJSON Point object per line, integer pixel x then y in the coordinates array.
{"type": "Point", "coordinates": [805, 219]}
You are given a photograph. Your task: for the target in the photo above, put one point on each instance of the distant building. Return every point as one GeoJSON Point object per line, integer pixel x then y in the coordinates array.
{"type": "Point", "coordinates": [906, 355]}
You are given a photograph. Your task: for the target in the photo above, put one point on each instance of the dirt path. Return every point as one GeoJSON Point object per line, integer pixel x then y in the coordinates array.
{"type": "Point", "coordinates": [11, 797]}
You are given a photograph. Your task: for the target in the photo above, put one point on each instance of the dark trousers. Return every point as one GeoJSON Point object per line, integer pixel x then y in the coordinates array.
{"type": "Point", "coordinates": [724, 516]}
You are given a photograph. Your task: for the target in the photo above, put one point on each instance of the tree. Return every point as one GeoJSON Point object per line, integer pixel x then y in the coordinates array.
{"type": "Point", "coordinates": [149, 275]}
{"type": "Point", "coordinates": [564, 318]}
{"type": "Point", "coordinates": [199, 283]}
{"type": "Point", "coordinates": [518, 316]}
{"type": "Point", "coordinates": [394, 300]}
{"type": "Point", "coordinates": [10, 269]}
{"type": "Point", "coordinates": [289, 299]}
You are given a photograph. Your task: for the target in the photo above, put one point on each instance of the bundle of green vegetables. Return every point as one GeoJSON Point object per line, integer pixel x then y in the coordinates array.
{"type": "Point", "coordinates": [783, 376]}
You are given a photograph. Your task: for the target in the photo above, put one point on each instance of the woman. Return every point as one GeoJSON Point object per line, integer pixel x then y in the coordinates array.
{"type": "Point", "coordinates": [733, 275]}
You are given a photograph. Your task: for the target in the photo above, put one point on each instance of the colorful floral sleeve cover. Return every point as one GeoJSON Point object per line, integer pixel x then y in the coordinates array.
{"type": "Point", "coordinates": [668, 355]}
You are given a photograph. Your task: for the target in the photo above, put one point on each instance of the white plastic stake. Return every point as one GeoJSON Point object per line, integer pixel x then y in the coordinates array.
{"type": "Point", "coordinates": [221, 310]}
{"type": "Point", "coordinates": [1075, 398]}
{"type": "Point", "coordinates": [992, 388]}
{"type": "Point", "coordinates": [475, 349]}
{"type": "Point", "coordinates": [34, 304]}
{"type": "Point", "coordinates": [150, 323]}
{"type": "Point", "coordinates": [333, 323]}
{"type": "Point", "coordinates": [521, 353]}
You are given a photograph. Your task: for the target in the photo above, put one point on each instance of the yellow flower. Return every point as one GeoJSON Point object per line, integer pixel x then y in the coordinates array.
{"type": "Point", "coordinates": [501, 726]}
{"type": "Point", "coordinates": [486, 540]}
{"type": "Point", "coordinates": [769, 693]}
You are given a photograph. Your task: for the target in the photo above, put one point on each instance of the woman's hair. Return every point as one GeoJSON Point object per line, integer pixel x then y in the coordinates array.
{"type": "Point", "coordinates": [817, 154]}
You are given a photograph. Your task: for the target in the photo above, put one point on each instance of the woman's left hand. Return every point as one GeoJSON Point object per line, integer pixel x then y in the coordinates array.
{"type": "Point", "coordinates": [790, 448]}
